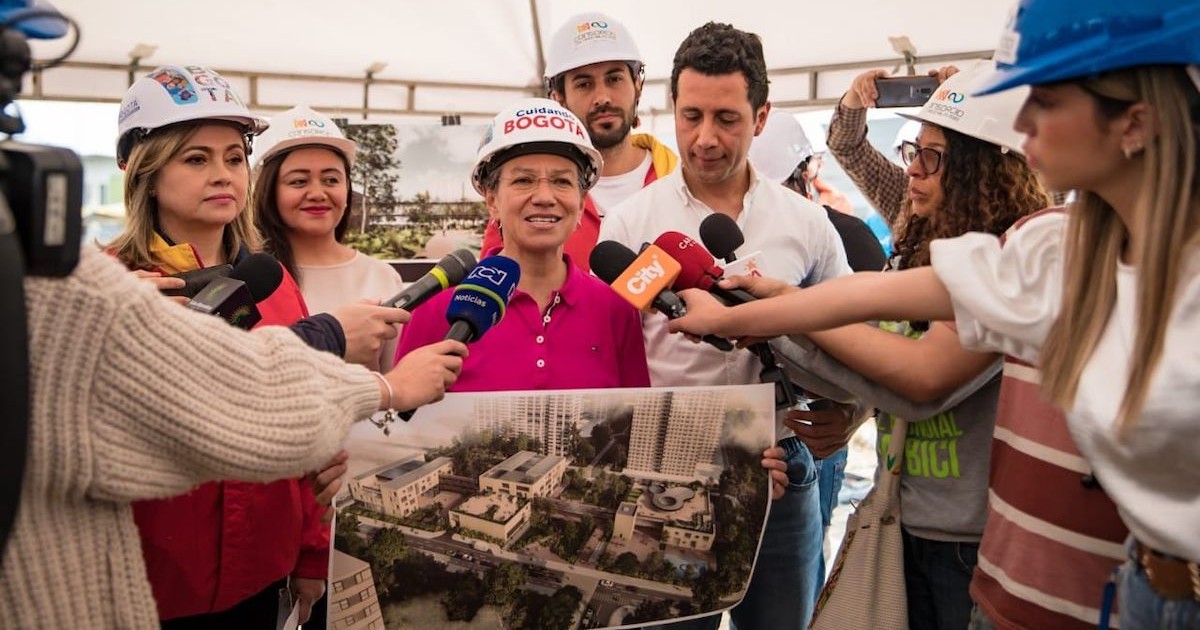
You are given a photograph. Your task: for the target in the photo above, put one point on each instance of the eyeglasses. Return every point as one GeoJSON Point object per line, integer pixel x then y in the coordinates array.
{"type": "Point", "coordinates": [528, 183]}
{"type": "Point", "coordinates": [931, 158]}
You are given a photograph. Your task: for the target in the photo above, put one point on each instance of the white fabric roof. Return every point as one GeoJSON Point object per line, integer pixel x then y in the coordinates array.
{"type": "Point", "coordinates": [485, 41]}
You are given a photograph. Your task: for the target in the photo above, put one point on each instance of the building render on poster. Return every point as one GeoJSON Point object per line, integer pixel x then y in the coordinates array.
{"type": "Point", "coordinates": [672, 435]}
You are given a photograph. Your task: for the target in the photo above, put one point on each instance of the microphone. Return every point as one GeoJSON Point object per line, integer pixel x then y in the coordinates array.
{"type": "Point", "coordinates": [643, 280]}
{"type": "Point", "coordinates": [233, 298]}
{"type": "Point", "coordinates": [479, 302]}
{"type": "Point", "coordinates": [197, 279]}
{"type": "Point", "coordinates": [448, 271]}
{"type": "Point", "coordinates": [701, 271]}
{"type": "Point", "coordinates": [698, 268]}
{"type": "Point", "coordinates": [721, 236]}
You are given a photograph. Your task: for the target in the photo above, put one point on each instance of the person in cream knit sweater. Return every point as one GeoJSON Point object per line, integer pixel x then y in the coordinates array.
{"type": "Point", "coordinates": [134, 397]}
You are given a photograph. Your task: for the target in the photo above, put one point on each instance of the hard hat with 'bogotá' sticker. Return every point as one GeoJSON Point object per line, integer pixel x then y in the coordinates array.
{"type": "Point", "coordinates": [955, 105]}
{"type": "Point", "coordinates": [534, 126]}
{"type": "Point", "coordinates": [1046, 41]}
{"type": "Point", "coordinates": [590, 38]}
{"type": "Point", "coordinates": [301, 126]}
{"type": "Point", "coordinates": [176, 94]}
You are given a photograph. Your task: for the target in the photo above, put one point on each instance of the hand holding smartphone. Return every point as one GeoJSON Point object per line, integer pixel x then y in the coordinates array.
{"type": "Point", "coordinates": [904, 91]}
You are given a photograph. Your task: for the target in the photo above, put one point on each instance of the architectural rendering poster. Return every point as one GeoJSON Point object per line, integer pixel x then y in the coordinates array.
{"type": "Point", "coordinates": [553, 509]}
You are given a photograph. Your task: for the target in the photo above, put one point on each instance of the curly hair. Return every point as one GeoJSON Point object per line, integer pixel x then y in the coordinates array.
{"type": "Point", "coordinates": [984, 190]}
{"type": "Point", "coordinates": [715, 49]}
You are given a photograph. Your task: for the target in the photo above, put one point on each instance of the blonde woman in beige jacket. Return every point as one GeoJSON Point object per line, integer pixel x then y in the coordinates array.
{"type": "Point", "coordinates": [133, 398]}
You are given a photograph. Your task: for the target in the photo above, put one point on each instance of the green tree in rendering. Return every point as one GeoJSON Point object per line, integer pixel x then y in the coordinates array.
{"type": "Point", "coordinates": [503, 583]}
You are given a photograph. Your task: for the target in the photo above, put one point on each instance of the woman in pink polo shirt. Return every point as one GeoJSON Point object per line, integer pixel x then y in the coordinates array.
{"type": "Point", "coordinates": [563, 329]}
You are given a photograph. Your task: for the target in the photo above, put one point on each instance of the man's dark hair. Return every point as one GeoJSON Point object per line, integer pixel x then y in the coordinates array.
{"type": "Point", "coordinates": [558, 83]}
{"type": "Point", "coordinates": [716, 49]}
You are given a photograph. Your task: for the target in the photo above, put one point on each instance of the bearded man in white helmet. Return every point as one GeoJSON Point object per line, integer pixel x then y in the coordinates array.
{"type": "Point", "coordinates": [594, 69]}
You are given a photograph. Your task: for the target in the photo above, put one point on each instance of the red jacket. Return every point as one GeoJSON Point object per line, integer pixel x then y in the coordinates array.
{"type": "Point", "coordinates": [223, 542]}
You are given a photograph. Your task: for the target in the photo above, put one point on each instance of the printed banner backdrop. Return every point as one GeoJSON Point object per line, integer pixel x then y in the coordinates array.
{"type": "Point", "coordinates": [553, 509]}
{"type": "Point", "coordinates": [412, 190]}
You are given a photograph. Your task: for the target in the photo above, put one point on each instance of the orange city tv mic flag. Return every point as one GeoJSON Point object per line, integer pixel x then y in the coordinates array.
{"type": "Point", "coordinates": [652, 272]}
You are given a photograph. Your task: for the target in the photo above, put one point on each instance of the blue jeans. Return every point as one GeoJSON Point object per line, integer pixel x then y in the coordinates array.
{"type": "Point", "coordinates": [831, 472]}
{"type": "Point", "coordinates": [1142, 608]}
{"type": "Point", "coordinates": [937, 576]}
{"type": "Point", "coordinates": [782, 591]}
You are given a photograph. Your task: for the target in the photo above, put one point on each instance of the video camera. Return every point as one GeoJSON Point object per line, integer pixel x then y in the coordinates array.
{"type": "Point", "coordinates": [41, 198]}
{"type": "Point", "coordinates": [42, 186]}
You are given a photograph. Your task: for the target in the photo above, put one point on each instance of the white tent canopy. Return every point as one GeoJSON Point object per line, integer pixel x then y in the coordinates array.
{"type": "Point", "coordinates": [473, 56]}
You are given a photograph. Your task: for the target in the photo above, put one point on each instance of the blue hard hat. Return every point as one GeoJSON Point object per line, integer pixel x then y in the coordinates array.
{"type": "Point", "coordinates": [45, 22]}
{"type": "Point", "coordinates": [1055, 40]}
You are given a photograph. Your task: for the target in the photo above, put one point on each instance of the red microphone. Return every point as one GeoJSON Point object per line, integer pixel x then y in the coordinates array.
{"type": "Point", "coordinates": [698, 268]}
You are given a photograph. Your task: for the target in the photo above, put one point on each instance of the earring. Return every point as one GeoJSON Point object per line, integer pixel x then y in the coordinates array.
{"type": "Point", "coordinates": [153, 193]}
{"type": "Point", "coordinates": [1131, 150]}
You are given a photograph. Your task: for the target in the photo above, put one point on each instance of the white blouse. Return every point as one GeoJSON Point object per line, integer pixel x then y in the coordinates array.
{"type": "Point", "coordinates": [1006, 299]}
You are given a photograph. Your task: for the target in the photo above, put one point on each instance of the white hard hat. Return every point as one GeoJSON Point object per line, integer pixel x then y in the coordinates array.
{"type": "Point", "coordinates": [989, 118]}
{"type": "Point", "coordinates": [781, 147]}
{"type": "Point", "coordinates": [301, 126]}
{"type": "Point", "coordinates": [590, 38]}
{"type": "Point", "coordinates": [908, 131]}
{"type": "Point", "coordinates": [815, 134]}
{"type": "Point", "coordinates": [536, 125]}
{"type": "Point", "coordinates": [175, 94]}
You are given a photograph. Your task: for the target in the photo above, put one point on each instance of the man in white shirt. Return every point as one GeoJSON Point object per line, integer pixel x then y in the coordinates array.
{"type": "Point", "coordinates": [594, 69]}
{"type": "Point", "coordinates": [719, 87]}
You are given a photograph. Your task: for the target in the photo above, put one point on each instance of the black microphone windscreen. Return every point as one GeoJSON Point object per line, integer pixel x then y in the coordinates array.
{"type": "Point", "coordinates": [261, 273]}
{"type": "Point", "coordinates": [457, 264]}
{"type": "Point", "coordinates": [609, 259]}
{"type": "Point", "coordinates": [721, 235]}
{"type": "Point", "coordinates": [197, 279]}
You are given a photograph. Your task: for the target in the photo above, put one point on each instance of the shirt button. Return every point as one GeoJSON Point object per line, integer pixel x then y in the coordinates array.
{"type": "Point", "coordinates": [541, 363]}
{"type": "Point", "coordinates": [546, 319]}
{"type": "Point", "coordinates": [540, 339]}
{"type": "Point", "coordinates": [557, 299]}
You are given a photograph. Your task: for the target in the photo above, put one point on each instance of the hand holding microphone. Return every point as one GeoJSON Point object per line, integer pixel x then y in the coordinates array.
{"type": "Point", "coordinates": [722, 237]}
{"type": "Point", "coordinates": [477, 305]}
{"type": "Point", "coordinates": [367, 327]}
{"type": "Point", "coordinates": [422, 376]}
{"type": "Point", "coordinates": [196, 279]}
{"type": "Point", "coordinates": [234, 298]}
{"type": "Point", "coordinates": [167, 285]}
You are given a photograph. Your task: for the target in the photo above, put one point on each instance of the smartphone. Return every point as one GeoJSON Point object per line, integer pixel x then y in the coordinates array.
{"type": "Point", "coordinates": [905, 91]}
